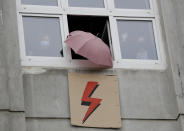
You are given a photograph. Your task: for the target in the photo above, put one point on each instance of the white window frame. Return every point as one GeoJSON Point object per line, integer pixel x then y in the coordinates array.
{"type": "Point", "coordinates": [135, 63]}
{"type": "Point", "coordinates": [61, 11]}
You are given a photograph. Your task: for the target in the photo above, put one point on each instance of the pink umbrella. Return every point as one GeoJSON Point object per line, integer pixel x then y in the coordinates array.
{"type": "Point", "coordinates": [91, 47]}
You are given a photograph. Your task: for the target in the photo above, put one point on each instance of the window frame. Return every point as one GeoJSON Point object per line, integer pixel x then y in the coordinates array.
{"type": "Point", "coordinates": [62, 10]}
{"type": "Point", "coordinates": [134, 63]}
{"type": "Point", "coordinates": [38, 60]}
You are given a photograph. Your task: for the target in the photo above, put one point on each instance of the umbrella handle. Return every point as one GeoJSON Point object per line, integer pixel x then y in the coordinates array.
{"type": "Point", "coordinates": [68, 35]}
{"type": "Point", "coordinates": [61, 52]}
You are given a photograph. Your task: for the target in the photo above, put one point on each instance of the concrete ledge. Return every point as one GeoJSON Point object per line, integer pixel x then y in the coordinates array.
{"type": "Point", "coordinates": [127, 125]}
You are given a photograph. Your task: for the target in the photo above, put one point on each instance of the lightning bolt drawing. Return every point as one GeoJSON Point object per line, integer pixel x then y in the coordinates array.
{"type": "Point", "coordinates": [86, 100]}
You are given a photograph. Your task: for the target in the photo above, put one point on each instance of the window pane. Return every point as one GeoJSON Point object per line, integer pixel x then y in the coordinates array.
{"type": "Point", "coordinates": [42, 36]}
{"type": "Point", "coordinates": [98, 26]}
{"type": "Point", "coordinates": [132, 4]}
{"type": "Point", "coordinates": [87, 3]}
{"type": "Point", "coordinates": [137, 39]}
{"type": "Point", "coordinates": [40, 2]}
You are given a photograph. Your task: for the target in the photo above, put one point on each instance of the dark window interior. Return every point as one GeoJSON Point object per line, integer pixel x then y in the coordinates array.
{"type": "Point", "coordinates": [98, 26]}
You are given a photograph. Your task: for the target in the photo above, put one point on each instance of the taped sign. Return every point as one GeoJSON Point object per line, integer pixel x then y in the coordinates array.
{"type": "Point", "coordinates": [94, 100]}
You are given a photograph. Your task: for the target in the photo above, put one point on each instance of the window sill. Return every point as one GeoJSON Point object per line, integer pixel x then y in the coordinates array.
{"type": "Point", "coordinates": [41, 66]}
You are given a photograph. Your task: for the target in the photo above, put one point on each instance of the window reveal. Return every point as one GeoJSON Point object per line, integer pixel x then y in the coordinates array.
{"type": "Point", "coordinates": [95, 25]}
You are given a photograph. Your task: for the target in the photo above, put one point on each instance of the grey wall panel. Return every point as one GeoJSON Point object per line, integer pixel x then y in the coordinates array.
{"type": "Point", "coordinates": [1, 4]}
{"type": "Point", "coordinates": [10, 40]}
{"type": "Point", "coordinates": [127, 125]}
{"type": "Point", "coordinates": [16, 121]}
{"type": "Point", "coordinates": [182, 122]}
{"type": "Point", "coordinates": [46, 95]}
{"type": "Point", "coordinates": [4, 97]}
{"type": "Point", "coordinates": [12, 121]}
{"type": "Point", "coordinates": [1, 18]}
{"type": "Point", "coordinates": [4, 121]}
{"type": "Point", "coordinates": [174, 39]}
{"type": "Point", "coordinates": [147, 94]}
{"type": "Point", "coordinates": [143, 94]}
{"type": "Point", "coordinates": [179, 4]}
{"type": "Point", "coordinates": [0, 13]}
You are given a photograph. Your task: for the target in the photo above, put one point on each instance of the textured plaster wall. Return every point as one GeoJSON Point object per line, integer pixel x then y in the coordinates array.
{"type": "Point", "coordinates": [143, 94]}
{"type": "Point", "coordinates": [0, 4]}
{"type": "Point", "coordinates": [1, 20]}
{"type": "Point", "coordinates": [173, 25]}
{"type": "Point", "coordinates": [150, 100]}
{"type": "Point", "coordinates": [12, 57]}
{"type": "Point", "coordinates": [4, 99]}
{"type": "Point", "coordinates": [12, 116]}
{"type": "Point", "coordinates": [179, 8]}
{"type": "Point", "coordinates": [128, 125]}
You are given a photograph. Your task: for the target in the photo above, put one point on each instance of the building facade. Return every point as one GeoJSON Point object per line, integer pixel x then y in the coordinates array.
{"type": "Point", "coordinates": [34, 93]}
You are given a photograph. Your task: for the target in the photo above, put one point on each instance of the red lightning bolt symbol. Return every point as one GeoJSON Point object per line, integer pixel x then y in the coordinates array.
{"type": "Point", "coordinates": [93, 103]}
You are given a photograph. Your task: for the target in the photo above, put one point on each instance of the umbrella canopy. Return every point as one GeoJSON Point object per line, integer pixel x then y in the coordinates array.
{"type": "Point", "coordinates": [91, 47]}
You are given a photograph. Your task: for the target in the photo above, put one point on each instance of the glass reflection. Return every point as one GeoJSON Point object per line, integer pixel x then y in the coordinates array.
{"type": "Point", "coordinates": [40, 2]}
{"type": "Point", "coordinates": [87, 3]}
{"type": "Point", "coordinates": [132, 4]}
{"type": "Point", "coordinates": [137, 40]}
{"type": "Point", "coordinates": [42, 36]}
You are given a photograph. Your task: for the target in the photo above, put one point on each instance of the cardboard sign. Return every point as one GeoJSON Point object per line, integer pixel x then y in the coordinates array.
{"type": "Point", "coordinates": [94, 100]}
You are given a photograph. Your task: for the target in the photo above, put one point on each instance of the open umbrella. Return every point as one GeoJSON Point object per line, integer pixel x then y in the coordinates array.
{"type": "Point", "coordinates": [91, 47]}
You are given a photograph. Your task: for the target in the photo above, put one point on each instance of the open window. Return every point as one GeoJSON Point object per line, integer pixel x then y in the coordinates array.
{"type": "Point", "coordinates": [130, 28]}
{"type": "Point", "coordinates": [98, 26]}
